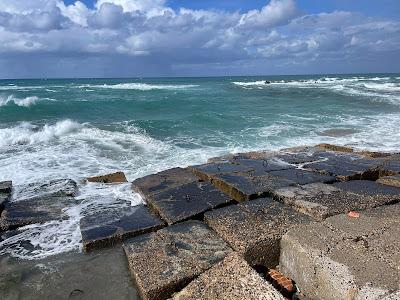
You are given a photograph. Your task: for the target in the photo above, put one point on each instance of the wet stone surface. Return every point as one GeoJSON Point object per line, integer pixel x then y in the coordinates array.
{"type": "Point", "coordinates": [323, 200]}
{"type": "Point", "coordinates": [54, 188]}
{"type": "Point", "coordinates": [230, 279]}
{"type": "Point", "coordinates": [187, 201]}
{"type": "Point", "coordinates": [244, 186]}
{"type": "Point", "coordinates": [35, 210]}
{"type": "Point", "coordinates": [118, 177]}
{"type": "Point", "coordinates": [5, 193]}
{"type": "Point", "coordinates": [303, 177]}
{"type": "Point", "coordinates": [151, 185]}
{"type": "Point", "coordinates": [112, 226]}
{"type": "Point", "coordinates": [254, 228]}
{"type": "Point", "coordinates": [163, 262]}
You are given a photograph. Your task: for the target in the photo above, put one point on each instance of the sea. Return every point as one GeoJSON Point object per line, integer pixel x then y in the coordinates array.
{"type": "Point", "coordinates": [75, 128]}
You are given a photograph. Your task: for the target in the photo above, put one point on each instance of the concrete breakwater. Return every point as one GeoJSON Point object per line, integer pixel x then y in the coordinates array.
{"type": "Point", "coordinates": [313, 222]}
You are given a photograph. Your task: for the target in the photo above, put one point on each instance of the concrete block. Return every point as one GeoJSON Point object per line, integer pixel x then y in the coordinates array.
{"type": "Point", "coordinates": [118, 177]}
{"type": "Point", "coordinates": [303, 176]}
{"type": "Point", "coordinates": [390, 180]}
{"type": "Point", "coordinates": [254, 228]}
{"type": "Point", "coordinates": [230, 279]}
{"type": "Point", "coordinates": [163, 262]}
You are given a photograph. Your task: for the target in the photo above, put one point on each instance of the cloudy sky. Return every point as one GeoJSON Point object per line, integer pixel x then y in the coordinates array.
{"type": "Point", "coordinates": [122, 38]}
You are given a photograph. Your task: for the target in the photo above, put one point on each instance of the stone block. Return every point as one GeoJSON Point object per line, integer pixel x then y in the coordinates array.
{"type": "Point", "coordinates": [187, 201]}
{"type": "Point", "coordinates": [207, 171]}
{"type": "Point", "coordinates": [323, 200]}
{"type": "Point", "coordinates": [35, 210]}
{"type": "Point", "coordinates": [54, 188]}
{"type": "Point", "coordinates": [230, 279]}
{"type": "Point", "coordinates": [118, 177]}
{"type": "Point", "coordinates": [163, 262]}
{"type": "Point", "coordinates": [346, 258]}
{"type": "Point", "coordinates": [335, 148]}
{"type": "Point", "coordinates": [244, 186]}
{"type": "Point", "coordinates": [390, 180]}
{"type": "Point", "coordinates": [152, 184]}
{"type": "Point", "coordinates": [112, 226]}
{"type": "Point", "coordinates": [254, 228]}
{"type": "Point", "coordinates": [303, 176]}
{"type": "Point", "coordinates": [5, 187]}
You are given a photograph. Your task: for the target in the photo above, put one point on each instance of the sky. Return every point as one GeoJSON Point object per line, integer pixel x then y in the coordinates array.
{"type": "Point", "coordinates": [140, 38]}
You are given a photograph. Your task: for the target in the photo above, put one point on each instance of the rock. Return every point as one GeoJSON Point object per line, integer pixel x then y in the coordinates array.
{"type": "Point", "coordinates": [153, 184]}
{"type": "Point", "coordinates": [163, 262]}
{"type": "Point", "coordinates": [106, 228]}
{"type": "Point", "coordinates": [54, 188]}
{"type": "Point", "coordinates": [96, 275]}
{"type": "Point", "coordinates": [5, 187]}
{"type": "Point", "coordinates": [187, 201]}
{"type": "Point", "coordinates": [118, 177]}
{"type": "Point", "coordinates": [244, 186]}
{"type": "Point", "coordinates": [5, 193]}
{"type": "Point", "coordinates": [390, 180]}
{"type": "Point", "coordinates": [254, 228]}
{"type": "Point", "coordinates": [373, 154]}
{"type": "Point", "coordinates": [346, 258]}
{"type": "Point", "coordinates": [390, 165]}
{"type": "Point", "coordinates": [335, 148]}
{"type": "Point", "coordinates": [320, 200]}
{"type": "Point", "coordinates": [35, 210]}
{"type": "Point", "coordinates": [230, 279]}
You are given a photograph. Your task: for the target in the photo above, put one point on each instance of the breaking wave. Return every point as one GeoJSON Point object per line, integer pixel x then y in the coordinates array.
{"type": "Point", "coordinates": [143, 86]}
{"type": "Point", "coordinates": [23, 102]}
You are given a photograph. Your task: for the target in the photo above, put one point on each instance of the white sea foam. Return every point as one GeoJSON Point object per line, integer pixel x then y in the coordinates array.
{"type": "Point", "coordinates": [23, 102]}
{"type": "Point", "coordinates": [142, 86]}
{"type": "Point", "coordinates": [250, 83]}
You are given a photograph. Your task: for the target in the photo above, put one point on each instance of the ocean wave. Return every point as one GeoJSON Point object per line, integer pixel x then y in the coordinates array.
{"type": "Point", "coordinates": [142, 86]}
{"type": "Point", "coordinates": [250, 83]}
{"type": "Point", "coordinates": [26, 133]}
{"type": "Point", "coordinates": [23, 102]}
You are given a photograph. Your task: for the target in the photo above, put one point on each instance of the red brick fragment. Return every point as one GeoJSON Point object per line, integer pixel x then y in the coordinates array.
{"type": "Point", "coordinates": [279, 281]}
{"type": "Point", "coordinates": [353, 214]}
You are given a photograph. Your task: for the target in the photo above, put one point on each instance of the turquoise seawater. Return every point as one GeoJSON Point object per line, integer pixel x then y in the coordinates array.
{"type": "Point", "coordinates": [80, 127]}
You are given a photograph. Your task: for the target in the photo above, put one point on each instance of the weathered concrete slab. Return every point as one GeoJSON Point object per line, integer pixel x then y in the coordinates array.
{"type": "Point", "coordinates": [113, 226]}
{"type": "Point", "coordinates": [163, 262]}
{"type": "Point", "coordinates": [390, 180]}
{"type": "Point", "coordinates": [162, 181]}
{"type": "Point", "coordinates": [35, 210]}
{"type": "Point", "coordinates": [244, 186]}
{"type": "Point", "coordinates": [118, 177]}
{"type": "Point", "coordinates": [230, 279]}
{"type": "Point", "coordinates": [254, 228]}
{"type": "Point", "coordinates": [346, 258]}
{"type": "Point", "coordinates": [303, 176]}
{"type": "Point", "coordinates": [187, 201]}
{"type": "Point", "coordinates": [323, 200]}
{"type": "Point", "coordinates": [96, 275]}
{"type": "Point", "coordinates": [335, 148]}
{"type": "Point", "coordinates": [207, 171]}
{"type": "Point", "coordinates": [54, 188]}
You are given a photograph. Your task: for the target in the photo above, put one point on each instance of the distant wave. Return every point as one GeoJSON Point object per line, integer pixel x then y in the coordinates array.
{"type": "Point", "coordinates": [142, 86]}
{"type": "Point", "coordinates": [251, 83]}
{"type": "Point", "coordinates": [27, 133]}
{"type": "Point", "coordinates": [23, 102]}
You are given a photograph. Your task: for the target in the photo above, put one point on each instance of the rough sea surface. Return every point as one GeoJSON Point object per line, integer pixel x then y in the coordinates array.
{"type": "Point", "coordinates": [66, 128]}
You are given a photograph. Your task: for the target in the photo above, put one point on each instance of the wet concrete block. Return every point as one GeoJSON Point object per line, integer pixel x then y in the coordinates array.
{"type": "Point", "coordinates": [35, 210]}
{"type": "Point", "coordinates": [156, 183]}
{"type": "Point", "coordinates": [391, 165]}
{"type": "Point", "coordinates": [163, 262]}
{"type": "Point", "coordinates": [113, 226]}
{"type": "Point", "coordinates": [118, 177]}
{"type": "Point", "coordinates": [187, 201]}
{"type": "Point", "coordinates": [231, 279]}
{"type": "Point", "coordinates": [346, 258]}
{"type": "Point", "coordinates": [303, 176]}
{"type": "Point", "coordinates": [244, 186]}
{"type": "Point", "coordinates": [390, 180]}
{"type": "Point", "coordinates": [335, 148]}
{"type": "Point", "coordinates": [207, 171]}
{"type": "Point", "coordinates": [320, 200]}
{"type": "Point", "coordinates": [254, 228]}
{"type": "Point", "coordinates": [380, 193]}
{"type": "Point", "coordinates": [5, 187]}
{"type": "Point", "coordinates": [54, 188]}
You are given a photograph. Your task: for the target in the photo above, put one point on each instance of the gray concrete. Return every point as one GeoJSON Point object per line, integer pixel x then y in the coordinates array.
{"type": "Point", "coordinates": [346, 258]}
{"type": "Point", "coordinates": [231, 279]}
{"type": "Point", "coordinates": [254, 228]}
{"type": "Point", "coordinates": [320, 200]}
{"type": "Point", "coordinates": [163, 262]}
{"type": "Point", "coordinates": [98, 275]}
{"type": "Point", "coordinates": [187, 201]}
{"type": "Point", "coordinates": [113, 226]}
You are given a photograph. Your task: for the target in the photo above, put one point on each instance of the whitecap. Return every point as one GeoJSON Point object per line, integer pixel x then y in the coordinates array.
{"type": "Point", "coordinates": [142, 86]}
{"type": "Point", "coordinates": [23, 102]}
